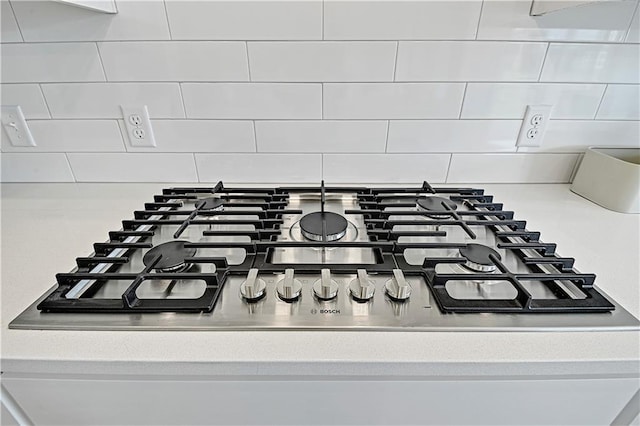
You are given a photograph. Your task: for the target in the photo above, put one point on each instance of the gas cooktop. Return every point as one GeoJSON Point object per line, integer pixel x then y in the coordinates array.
{"type": "Point", "coordinates": [325, 258]}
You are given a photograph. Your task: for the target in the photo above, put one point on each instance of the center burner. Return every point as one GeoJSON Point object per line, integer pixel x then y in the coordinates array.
{"type": "Point", "coordinates": [318, 225]}
{"type": "Point", "coordinates": [434, 204]}
{"type": "Point", "coordinates": [478, 257]}
{"type": "Point", "coordinates": [214, 204]}
{"type": "Point", "coordinates": [173, 256]}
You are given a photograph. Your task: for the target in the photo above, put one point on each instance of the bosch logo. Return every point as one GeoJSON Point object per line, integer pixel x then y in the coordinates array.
{"type": "Point", "coordinates": [325, 311]}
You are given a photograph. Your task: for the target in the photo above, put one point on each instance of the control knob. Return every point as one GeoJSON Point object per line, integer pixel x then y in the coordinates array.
{"type": "Point", "coordinates": [289, 288]}
{"type": "Point", "coordinates": [362, 288]}
{"type": "Point", "coordinates": [325, 288]}
{"type": "Point", "coordinates": [398, 288]}
{"type": "Point", "coordinates": [253, 288]}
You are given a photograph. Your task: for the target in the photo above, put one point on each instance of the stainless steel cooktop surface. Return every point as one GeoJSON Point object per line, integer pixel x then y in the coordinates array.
{"type": "Point", "coordinates": [325, 258]}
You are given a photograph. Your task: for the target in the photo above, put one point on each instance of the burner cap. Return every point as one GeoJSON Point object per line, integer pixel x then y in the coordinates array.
{"type": "Point", "coordinates": [210, 204]}
{"type": "Point", "coordinates": [478, 259]}
{"type": "Point", "coordinates": [173, 256]}
{"type": "Point", "coordinates": [335, 226]}
{"type": "Point", "coordinates": [434, 204]}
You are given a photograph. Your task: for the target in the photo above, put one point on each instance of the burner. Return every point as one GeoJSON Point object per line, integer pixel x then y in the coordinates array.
{"type": "Point", "coordinates": [173, 256]}
{"type": "Point", "coordinates": [434, 204]}
{"type": "Point", "coordinates": [478, 259]}
{"type": "Point", "coordinates": [335, 226]}
{"type": "Point", "coordinates": [210, 204]}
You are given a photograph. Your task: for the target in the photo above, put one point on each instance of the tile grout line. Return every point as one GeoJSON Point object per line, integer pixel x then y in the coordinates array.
{"type": "Point", "coordinates": [46, 103]}
{"type": "Point", "coordinates": [446, 178]}
{"type": "Point", "coordinates": [475, 37]}
{"type": "Point", "coordinates": [246, 51]}
{"type": "Point", "coordinates": [20, 150]}
{"type": "Point", "coordinates": [322, 21]}
{"type": "Point", "coordinates": [322, 165]}
{"type": "Point", "coordinates": [544, 61]}
{"type": "Point", "coordinates": [633, 15]}
{"type": "Point", "coordinates": [483, 153]}
{"type": "Point", "coordinates": [307, 83]}
{"type": "Point", "coordinates": [315, 40]}
{"type": "Point", "coordinates": [464, 95]}
{"type": "Point", "coordinates": [184, 108]}
{"type": "Point", "coordinates": [73, 174]}
{"type": "Point", "coordinates": [195, 163]}
{"type": "Point", "coordinates": [104, 72]}
{"type": "Point", "coordinates": [166, 15]}
{"type": "Point", "coordinates": [604, 93]}
{"type": "Point", "coordinates": [321, 101]}
{"type": "Point", "coordinates": [452, 119]}
{"type": "Point", "coordinates": [255, 135]}
{"type": "Point", "coordinates": [386, 142]}
{"type": "Point", "coordinates": [15, 18]}
{"type": "Point", "coordinates": [395, 62]}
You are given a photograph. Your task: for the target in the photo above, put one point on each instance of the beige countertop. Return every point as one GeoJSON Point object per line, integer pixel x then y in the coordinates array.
{"type": "Point", "coordinates": [46, 226]}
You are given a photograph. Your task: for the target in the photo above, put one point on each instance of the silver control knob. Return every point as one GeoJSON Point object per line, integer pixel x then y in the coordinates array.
{"type": "Point", "coordinates": [362, 288]}
{"type": "Point", "coordinates": [253, 288]}
{"type": "Point", "coordinates": [325, 288]}
{"type": "Point", "coordinates": [289, 288]}
{"type": "Point", "coordinates": [398, 288]}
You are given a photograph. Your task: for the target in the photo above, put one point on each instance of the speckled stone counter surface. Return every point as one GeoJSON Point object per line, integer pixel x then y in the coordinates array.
{"type": "Point", "coordinates": [46, 226]}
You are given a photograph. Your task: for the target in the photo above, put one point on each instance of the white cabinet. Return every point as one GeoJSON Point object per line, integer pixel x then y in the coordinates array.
{"type": "Point", "coordinates": [268, 400]}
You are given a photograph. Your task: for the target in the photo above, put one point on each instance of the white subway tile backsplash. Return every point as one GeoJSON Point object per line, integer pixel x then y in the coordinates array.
{"type": "Point", "coordinates": [9, 31]}
{"type": "Point", "coordinates": [592, 63]}
{"type": "Point", "coordinates": [392, 100]}
{"type": "Point", "coordinates": [200, 136]}
{"type": "Point", "coordinates": [511, 168]}
{"type": "Point", "coordinates": [576, 136]}
{"type": "Point", "coordinates": [453, 135]}
{"type": "Point", "coordinates": [53, 21]}
{"type": "Point", "coordinates": [357, 91]}
{"type": "Point", "coordinates": [322, 61]}
{"type": "Point", "coordinates": [400, 20]}
{"type": "Point", "coordinates": [35, 167]}
{"type": "Point", "coordinates": [620, 102]}
{"type": "Point", "coordinates": [103, 100]}
{"type": "Point", "coordinates": [262, 168]}
{"type": "Point", "coordinates": [133, 167]}
{"type": "Point", "coordinates": [245, 20]}
{"type": "Point", "coordinates": [28, 96]}
{"type": "Point", "coordinates": [510, 20]}
{"type": "Point", "coordinates": [469, 61]}
{"type": "Point", "coordinates": [510, 100]}
{"type": "Point", "coordinates": [71, 136]}
{"type": "Point", "coordinates": [50, 62]}
{"type": "Point", "coordinates": [252, 100]}
{"type": "Point", "coordinates": [321, 136]}
{"type": "Point", "coordinates": [175, 61]}
{"type": "Point", "coordinates": [385, 168]}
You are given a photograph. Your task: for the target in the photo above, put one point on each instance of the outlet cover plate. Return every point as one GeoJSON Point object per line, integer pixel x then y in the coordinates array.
{"type": "Point", "coordinates": [15, 126]}
{"type": "Point", "coordinates": [534, 125]}
{"type": "Point", "coordinates": [138, 126]}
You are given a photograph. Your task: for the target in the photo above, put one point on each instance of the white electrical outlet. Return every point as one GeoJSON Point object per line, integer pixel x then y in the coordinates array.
{"type": "Point", "coordinates": [138, 125]}
{"type": "Point", "coordinates": [534, 125]}
{"type": "Point", "coordinates": [15, 126]}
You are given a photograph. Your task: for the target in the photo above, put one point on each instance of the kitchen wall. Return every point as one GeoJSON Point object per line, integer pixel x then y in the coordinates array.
{"type": "Point", "coordinates": [296, 91]}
